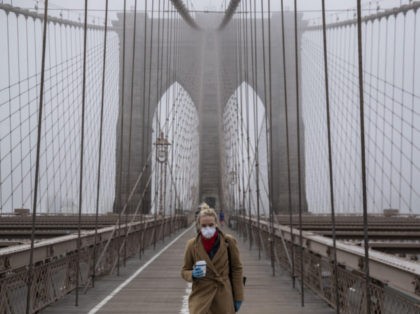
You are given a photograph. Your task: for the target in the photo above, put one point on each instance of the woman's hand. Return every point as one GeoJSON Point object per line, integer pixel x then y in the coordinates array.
{"type": "Point", "coordinates": [237, 305]}
{"type": "Point", "coordinates": [197, 272]}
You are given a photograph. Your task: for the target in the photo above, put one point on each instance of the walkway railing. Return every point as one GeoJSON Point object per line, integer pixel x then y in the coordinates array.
{"type": "Point", "coordinates": [55, 261]}
{"type": "Point", "coordinates": [394, 285]}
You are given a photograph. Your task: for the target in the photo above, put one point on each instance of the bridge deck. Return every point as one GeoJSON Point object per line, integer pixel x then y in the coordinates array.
{"type": "Point", "coordinates": [158, 288]}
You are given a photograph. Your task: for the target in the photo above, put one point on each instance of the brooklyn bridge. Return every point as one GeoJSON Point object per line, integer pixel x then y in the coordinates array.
{"type": "Point", "coordinates": [299, 119]}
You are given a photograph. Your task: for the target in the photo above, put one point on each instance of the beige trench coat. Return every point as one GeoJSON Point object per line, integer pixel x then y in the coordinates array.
{"type": "Point", "coordinates": [213, 293]}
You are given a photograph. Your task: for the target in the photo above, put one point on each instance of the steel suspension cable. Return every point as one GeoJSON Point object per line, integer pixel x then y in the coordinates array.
{"type": "Point", "coordinates": [162, 174]}
{"type": "Point", "coordinates": [20, 103]}
{"type": "Point", "coordinates": [330, 162]}
{"type": "Point", "coordinates": [248, 138]}
{"type": "Point", "coordinates": [126, 205]}
{"type": "Point", "coordinates": [286, 115]}
{"type": "Point", "coordinates": [168, 54]}
{"type": "Point", "coordinates": [363, 161]}
{"type": "Point", "coordinates": [243, 78]}
{"type": "Point", "coordinates": [302, 275]}
{"type": "Point", "coordinates": [28, 87]}
{"type": "Point", "coordinates": [82, 146]}
{"type": "Point", "coordinates": [38, 150]}
{"type": "Point", "coordinates": [242, 48]}
{"type": "Point", "coordinates": [412, 111]}
{"type": "Point", "coordinates": [255, 107]}
{"type": "Point", "coordinates": [271, 142]}
{"type": "Point", "coordinates": [401, 119]}
{"type": "Point", "coordinates": [98, 184]}
{"type": "Point", "coordinates": [130, 123]}
{"type": "Point", "coordinates": [9, 101]}
{"type": "Point", "coordinates": [121, 136]}
{"type": "Point", "coordinates": [268, 127]}
{"type": "Point", "coordinates": [147, 128]}
{"type": "Point", "coordinates": [174, 34]}
{"type": "Point", "coordinates": [157, 121]}
{"type": "Point", "coordinates": [376, 108]}
{"type": "Point", "coordinates": [158, 69]}
{"type": "Point", "coordinates": [393, 106]}
{"type": "Point", "coordinates": [144, 118]}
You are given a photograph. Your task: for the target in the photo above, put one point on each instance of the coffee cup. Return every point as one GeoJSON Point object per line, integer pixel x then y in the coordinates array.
{"type": "Point", "coordinates": [202, 265]}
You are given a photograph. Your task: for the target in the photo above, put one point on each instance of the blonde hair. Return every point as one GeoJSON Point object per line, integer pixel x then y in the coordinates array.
{"type": "Point", "coordinates": [206, 211]}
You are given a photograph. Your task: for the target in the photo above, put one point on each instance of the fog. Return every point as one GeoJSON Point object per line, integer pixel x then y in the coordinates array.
{"type": "Point", "coordinates": [392, 113]}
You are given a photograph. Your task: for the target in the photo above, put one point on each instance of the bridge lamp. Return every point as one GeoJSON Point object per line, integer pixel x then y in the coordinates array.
{"type": "Point", "coordinates": [232, 177]}
{"type": "Point", "coordinates": [162, 147]}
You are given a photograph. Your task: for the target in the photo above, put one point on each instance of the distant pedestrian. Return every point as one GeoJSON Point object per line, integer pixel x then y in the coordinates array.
{"type": "Point", "coordinates": [212, 263]}
{"type": "Point", "coordinates": [222, 218]}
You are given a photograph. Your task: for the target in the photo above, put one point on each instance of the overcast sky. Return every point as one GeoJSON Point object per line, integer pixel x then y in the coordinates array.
{"type": "Point", "coordinates": [310, 8]}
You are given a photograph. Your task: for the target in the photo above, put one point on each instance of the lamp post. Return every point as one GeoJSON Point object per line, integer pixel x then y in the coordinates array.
{"type": "Point", "coordinates": [162, 148]}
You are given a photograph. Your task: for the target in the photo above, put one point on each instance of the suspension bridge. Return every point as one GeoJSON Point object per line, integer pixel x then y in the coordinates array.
{"type": "Point", "coordinates": [300, 120]}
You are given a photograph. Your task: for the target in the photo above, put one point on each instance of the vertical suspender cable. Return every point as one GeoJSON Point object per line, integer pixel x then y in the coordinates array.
{"type": "Point", "coordinates": [121, 140]}
{"type": "Point", "coordinates": [98, 183]}
{"type": "Point", "coordinates": [82, 141]}
{"type": "Point", "coordinates": [268, 126]}
{"type": "Point", "coordinates": [38, 150]}
{"type": "Point", "coordinates": [255, 83]}
{"type": "Point", "coordinates": [161, 177]}
{"type": "Point", "coordinates": [242, 78]}
{"type": "Point", "coordinates": [286, 117]}
{"type": "Point", "coordinates": [144, 119]}
{"type": "Point", "coordinates": [163, 173]}
{"type": "Point", "coordinates": [172, 98]}
{"type": "Point", "coordinates": [246, 55]}
{"type": "Point", "coordinates": [391, 157]}
{"type": "Point", "coordinates": [149, 94]}
{"type": "Point", "coordinates": [10, 111]}
{"type": "Point", "coordinates": [401, 113]}
{"type": "Point", "coordinates": [167, 84]}
{"type": "Point", "coordinates": [272, 244]}
{"type": "Point", "coordinates": [413, 86]}
{"type": "Point", "coordinates": [147, 128]}
{"type": "Point", "coordinates": [298, 156]}
{"type": "Point", "coordinates": [133, 66]}
{"type": "Point", "coordinates": [20, 106]}
{"type": "Point", "coordinates": [238, 94]}
{"type": "Point", "coordinates": [158, 128]}
{"type": "Point", "coordinates": [363, 159]}
{"type": "Point", "coordinates": [30, 126]}
{"type": "Point", "coordinates": [327, 101]}
{"type": "Point", "coordinates": [143, 129]}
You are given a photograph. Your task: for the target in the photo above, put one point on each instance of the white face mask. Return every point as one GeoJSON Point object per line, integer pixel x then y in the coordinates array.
{"type": "Point", "coordinates": [208, 232]}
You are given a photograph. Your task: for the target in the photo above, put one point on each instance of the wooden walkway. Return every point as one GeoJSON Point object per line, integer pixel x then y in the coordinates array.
{"type": "Point", "coordinates": [153, 285]}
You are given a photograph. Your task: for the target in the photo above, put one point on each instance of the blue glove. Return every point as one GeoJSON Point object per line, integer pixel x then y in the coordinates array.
{"type": "Point", "coordinates": [237, 305]}
{"type": "Point", "coordinates": [197, 272]}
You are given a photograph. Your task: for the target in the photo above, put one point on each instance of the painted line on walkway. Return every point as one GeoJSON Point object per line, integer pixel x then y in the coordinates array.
{"type": "Point", "coordinates": [128, 280]}
{"type": "Point", "coordinates": [184, 309]}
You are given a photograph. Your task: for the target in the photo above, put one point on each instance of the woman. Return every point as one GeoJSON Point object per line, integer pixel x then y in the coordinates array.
{"type": "Point", "coordinates": [219, 289]}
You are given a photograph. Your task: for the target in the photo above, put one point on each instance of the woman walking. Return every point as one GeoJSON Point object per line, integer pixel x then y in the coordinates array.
{"type": "Point", "coordinates": [217, 285]}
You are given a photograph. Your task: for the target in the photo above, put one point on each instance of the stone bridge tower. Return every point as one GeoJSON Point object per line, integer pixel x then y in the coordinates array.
{"type": "Point", "coordinates": [207, 71]}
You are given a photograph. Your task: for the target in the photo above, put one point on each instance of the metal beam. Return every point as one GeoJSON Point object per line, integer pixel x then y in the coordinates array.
{"type": "Point", "coordinates": [51, 19]}
{"type": "Point", "coordinates": [185, 14]}
{"type": "Point", "coordinates": [370, 18]}
{"type": "Point", "coordinates": [229, 13]}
